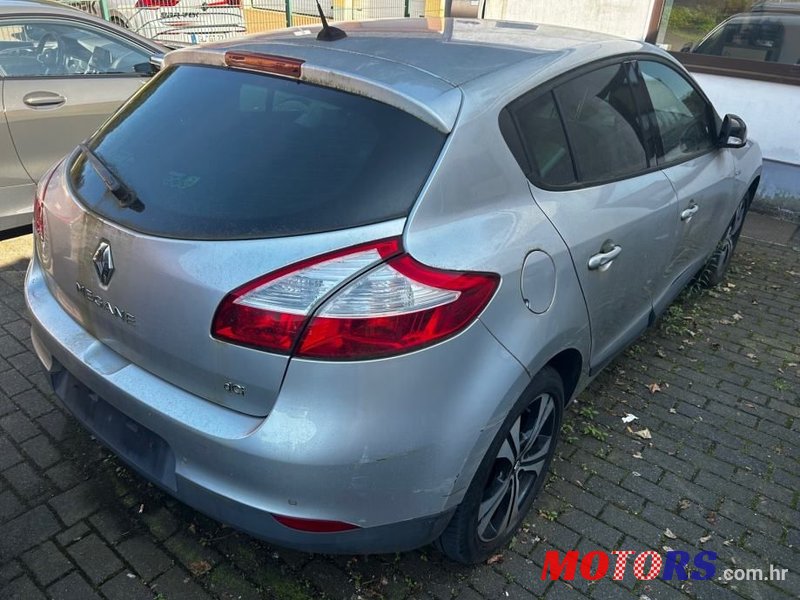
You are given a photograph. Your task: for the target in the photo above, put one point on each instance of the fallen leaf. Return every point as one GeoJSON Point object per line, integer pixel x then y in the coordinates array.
{"type": "Point", "coordinates": [751, 356]}
{"type": "Point", "coordinates": [673, 411]}
{"type": "Point", "coordinates": [669, 534]}
{"type": "Point", "coordinates": [661, 353]}
{"type": "Point", "coordinates": [384, 580]}
{"type": "Point", "coordinates": [643, 433]}
{"type": "Point", "coordinates": [654, 387]}
{"type": "Point", "coordinates": [636, 473]}
{"type": "Point", "coordinates": [130, 575]}
{"type": "Point", "coordinates": [666, 548]}
{"type": "Point", "coordinates": [629, 418]}
{"type": "Point", "coordinates": [637, 455]}
{"type": "Point", "coordinates": [728, 542]}
{"type": "Point", "coordinates": [711, 517]}
{"type": "Point", "coordinates": [705, 538]}
{"type": "Point", "coordinates": [141, 508]}
{"type": "Point", "coordinates": [725, 322]}
{"type": "Point", "coordinates": [494, 559]}
{"type": "Point", "coordinates": [737, 317]}
{"type": "Point", "coordinates": [684, 504]}
{"type": "Point", "coordinates": [199, 567]}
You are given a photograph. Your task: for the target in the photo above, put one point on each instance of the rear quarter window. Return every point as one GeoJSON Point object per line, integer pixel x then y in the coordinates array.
{"type": "Point", "coordinates": [213, 153]}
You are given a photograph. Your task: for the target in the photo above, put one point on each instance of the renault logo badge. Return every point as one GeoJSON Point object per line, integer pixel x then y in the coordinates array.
{"type": "Point", "coordinates": [103, 262]}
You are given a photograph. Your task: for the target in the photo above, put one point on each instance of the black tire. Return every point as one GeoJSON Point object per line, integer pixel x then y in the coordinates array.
{"type": "Point", "coordinates": [716, 267]}
{"type": "Point", "coordinates": [512, 471]}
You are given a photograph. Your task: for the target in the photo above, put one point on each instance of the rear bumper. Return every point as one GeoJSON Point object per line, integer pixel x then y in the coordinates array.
{"type": "Point", "coordinates": [307, 459]}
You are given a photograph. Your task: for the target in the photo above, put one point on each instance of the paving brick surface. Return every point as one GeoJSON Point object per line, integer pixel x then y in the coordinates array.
{"type": "Point", "coordinates": [721, 472]}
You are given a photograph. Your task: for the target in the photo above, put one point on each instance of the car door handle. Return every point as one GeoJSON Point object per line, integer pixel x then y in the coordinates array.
{"type": "Point", "coordinates": [603, 260]}
{"type": "Point", "coordinates": [43, 99]}
{"type": "Point", "coordinates": [689, 212]}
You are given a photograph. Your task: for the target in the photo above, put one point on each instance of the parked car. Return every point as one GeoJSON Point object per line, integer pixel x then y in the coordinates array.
{"type": "Point", "coordinates": [769, 33]}
{"type": "Point", "coordinates": [62, 73]}
{"type": "Point", "coordinates": [188, 21]}
{"type": "Point", "coordinates": [338, 294]}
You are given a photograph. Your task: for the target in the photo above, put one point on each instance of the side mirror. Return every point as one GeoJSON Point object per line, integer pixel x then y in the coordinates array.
{"type": "Point", "coordinates": [687, 47]}
{"type": "Point", "coordinates": [733, 133]}
{"type": "Point", "coordinates": [145, 68]}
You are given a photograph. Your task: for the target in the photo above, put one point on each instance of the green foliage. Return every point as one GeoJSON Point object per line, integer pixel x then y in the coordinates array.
{"type": "Point", "coordinates": [700, 17]}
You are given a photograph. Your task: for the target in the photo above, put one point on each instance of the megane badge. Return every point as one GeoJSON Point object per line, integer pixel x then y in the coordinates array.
{"type": "Point", "coordinates": [103, 262]}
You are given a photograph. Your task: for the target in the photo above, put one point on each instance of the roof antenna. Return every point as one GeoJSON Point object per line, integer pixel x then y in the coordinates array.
{"type": "Point", "coordinates": [328, 33]}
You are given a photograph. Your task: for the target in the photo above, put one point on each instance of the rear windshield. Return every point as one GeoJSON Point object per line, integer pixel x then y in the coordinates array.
{"type": "Point", "coordinates": [212, 153]}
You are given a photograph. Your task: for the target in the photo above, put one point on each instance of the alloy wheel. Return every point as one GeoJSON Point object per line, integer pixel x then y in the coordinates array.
{"type": "Point", "coordinates": [519, 464]}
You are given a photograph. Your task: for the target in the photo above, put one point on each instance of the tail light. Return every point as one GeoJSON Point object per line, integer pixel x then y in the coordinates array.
{"type": "Point", "coordinates": [153, 4]}
{"type": "Point", "coordinates": [368, 301]}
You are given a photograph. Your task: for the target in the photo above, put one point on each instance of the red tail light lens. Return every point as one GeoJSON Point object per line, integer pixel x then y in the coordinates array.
{"type": "Point", "coordinates": [348, 306]}
{"type": "Point", "coordinates": [153, 4]}
{"type": "Point", "coordinates": [269, 312]}
{"type": "Point", "coordinates": [395, 308]}
{"type": "Point", "coordinates": [313, 525]}
{"type": "Point", "coordinates": [277, 65]}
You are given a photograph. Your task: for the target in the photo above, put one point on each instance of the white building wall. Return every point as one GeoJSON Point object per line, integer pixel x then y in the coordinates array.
{"type": "Point", "coordinates": [769, 109]}
{"type": "Point", "coordinates": [625, 18]}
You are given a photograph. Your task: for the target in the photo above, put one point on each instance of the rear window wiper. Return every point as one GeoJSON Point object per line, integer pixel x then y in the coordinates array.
{"type": "Point", "coordinates": [125, 195]}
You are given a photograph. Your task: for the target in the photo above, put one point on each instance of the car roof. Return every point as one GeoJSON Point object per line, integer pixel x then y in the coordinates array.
{"type": "Point", "coordinates": [422, 61]}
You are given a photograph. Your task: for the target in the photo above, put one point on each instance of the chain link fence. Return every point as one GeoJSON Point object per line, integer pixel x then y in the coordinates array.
{"type": "Point", "coordinates": [197, 21]}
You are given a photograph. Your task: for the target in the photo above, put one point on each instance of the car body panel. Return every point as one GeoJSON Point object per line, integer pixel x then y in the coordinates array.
{"type": "Point", "coordinates": [454, 207]}
{"type": "Point", "coordinates": [638, 214]}
{"type": "Point", "coordinates": [16, 186]}
{"type": "Point", "coordinates": [705, 182]}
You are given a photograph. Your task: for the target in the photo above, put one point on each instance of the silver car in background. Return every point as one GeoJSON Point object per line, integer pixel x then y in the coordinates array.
{"type": "Point", "coordinates": [62, 73]}
{"type": "Point", "coordinates": [338, 293]}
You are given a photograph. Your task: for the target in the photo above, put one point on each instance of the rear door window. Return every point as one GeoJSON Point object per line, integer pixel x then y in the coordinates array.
{"type": "Point", "coordinates": [213, 153]}
{"type": "Point", "coordinates": [602, 123]}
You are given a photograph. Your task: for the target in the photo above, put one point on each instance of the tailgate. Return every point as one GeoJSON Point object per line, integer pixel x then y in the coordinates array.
{"type": "Point", "coordinates": [157, 307]}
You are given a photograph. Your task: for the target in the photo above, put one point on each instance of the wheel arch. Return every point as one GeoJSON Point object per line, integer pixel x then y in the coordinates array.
{"type": "Point", "coordinates": [569, 365]}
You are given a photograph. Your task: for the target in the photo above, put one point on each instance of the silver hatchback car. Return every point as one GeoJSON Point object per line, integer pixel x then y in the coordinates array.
{"type": "Point", "coordinates": [336, 290]}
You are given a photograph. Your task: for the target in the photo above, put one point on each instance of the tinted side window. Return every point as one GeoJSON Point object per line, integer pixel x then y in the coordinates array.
{"type": "Point", "coordinates": [682, 114]}
{"type": "Point", "coordinates": [544, 141]}
{"type": "Point", "coordinates": [602, 123]}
